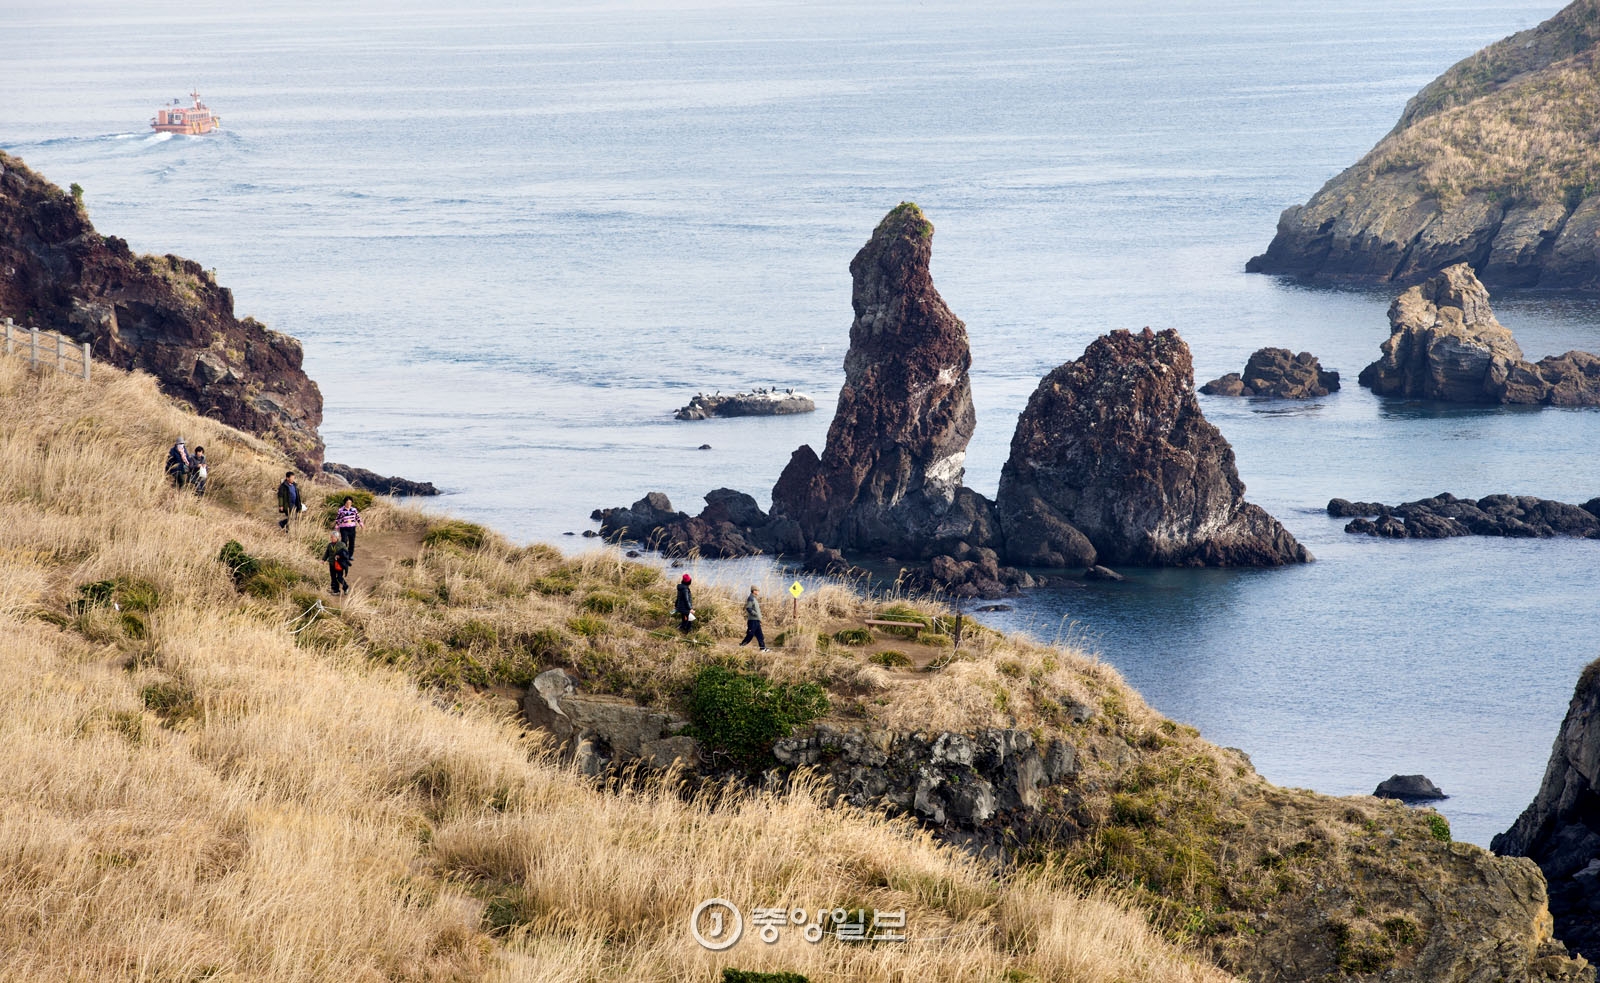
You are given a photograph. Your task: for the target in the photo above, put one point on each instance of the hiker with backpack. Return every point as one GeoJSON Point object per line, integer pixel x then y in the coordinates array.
{"type": "Point", "coordinates": [178, 463]}
{"type": "Point", "coordinates": [198, 460]}
{"type": "Point", "coordinates": [347, 521]}
{"type": "Point", "coordinates": [338, 559]}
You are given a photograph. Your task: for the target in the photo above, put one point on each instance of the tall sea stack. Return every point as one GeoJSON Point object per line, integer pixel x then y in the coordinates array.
{"type": "Point", "coordinates": [889, 478]}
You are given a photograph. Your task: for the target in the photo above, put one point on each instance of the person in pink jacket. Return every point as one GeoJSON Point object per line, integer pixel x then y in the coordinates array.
{"type": "Point", "coordinates": [347, 522]}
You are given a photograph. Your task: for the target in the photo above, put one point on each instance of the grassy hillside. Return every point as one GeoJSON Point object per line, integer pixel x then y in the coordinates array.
{"type": "Point", "coordinates": [207, 781]}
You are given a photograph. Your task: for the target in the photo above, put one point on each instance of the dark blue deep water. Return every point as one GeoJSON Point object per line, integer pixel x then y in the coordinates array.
{"type": "Point", "coordinates": [513, 238]}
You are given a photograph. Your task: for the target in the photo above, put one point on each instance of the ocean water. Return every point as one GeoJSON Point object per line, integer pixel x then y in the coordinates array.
{"type": "Point", "coordinates": [514, 238]}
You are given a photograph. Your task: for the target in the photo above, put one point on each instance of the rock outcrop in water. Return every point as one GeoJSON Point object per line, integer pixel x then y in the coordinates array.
{"type": "Point", "coordinates": [378, 484]}
{"type": "Point", "coordinates": [1560, 829]}
{"type": "Point", "coordinates": [1112, 451]}
{"type": "Point", "coordinates": [1444, 343]}
{"type": "Point", "coordinates": [889, 477]}
{"type": "Point", "coordinates": [162, 314]}
{"type": "Point", "coordinates": [1494, 164]}
{"type": "Point", "coordinates": [1277, 373]}
{"type": "Point", "coordinates": [1444, 516]}
{"type": "Point", "coordinates": [762, 402]}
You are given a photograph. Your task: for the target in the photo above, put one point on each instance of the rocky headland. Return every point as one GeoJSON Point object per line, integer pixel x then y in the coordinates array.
{"type": "Point", "coordinates": [1494, 163]}
{"type": "Point", "coordinates": [1279, 374]}
{"type": "Point", "coordinates": [1560, 829]}
{"type": "Point", "coordinates": [1445, 516]}
{"type": "Point", "coordinates": [164, 315]}
{"type": "Point", "coordinates": [761, 402]}
{"type": "Point", "coordinates": [1112, 461]}
{"type": "Point", "coordinates": [1444, 343]}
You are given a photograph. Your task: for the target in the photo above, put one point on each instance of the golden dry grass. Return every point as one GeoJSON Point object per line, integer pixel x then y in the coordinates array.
{"type": "Point", "coordinates": [195, 791]}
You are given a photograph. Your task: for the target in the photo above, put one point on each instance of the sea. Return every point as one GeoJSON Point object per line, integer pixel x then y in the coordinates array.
{"type": "Point", "coordinates": [513, 237]}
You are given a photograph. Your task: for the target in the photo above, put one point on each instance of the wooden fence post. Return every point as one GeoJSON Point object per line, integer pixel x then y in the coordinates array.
{"type": "Point", "coordinates": [10, 346]}
{"type": "Point", "coordinates": [61, 352]}
{"type": "Point", "coordinates": [33, 346]}
{"type": "Point", "coordinates": [86, 361]}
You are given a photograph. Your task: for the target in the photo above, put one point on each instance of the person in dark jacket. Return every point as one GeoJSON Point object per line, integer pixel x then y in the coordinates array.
{"type": "Point", "coordinates": [178, 463]}
{"type": "Point", "coordinates": [685, 606]}
{"type": "Point", "coordinates": [338, 560]}
{"type": "Point", "coordinates": [288, 500]}
{"type": "Point", "coordinates": [198, 465]}
{"type": "Point", "coordinates": [752, 620]}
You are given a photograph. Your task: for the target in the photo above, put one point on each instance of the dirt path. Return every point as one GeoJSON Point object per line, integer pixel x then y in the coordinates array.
{"type": "Point", "coordinates": [378, 552]}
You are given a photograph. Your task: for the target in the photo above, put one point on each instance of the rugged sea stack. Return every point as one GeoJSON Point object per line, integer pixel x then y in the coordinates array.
{"type": "Point", "coordinates": [1113, 452]}
{"type": "Point", "coordinates": [164, 315]}
{"type": "Point", "coordinates": [1494, 164]}
{"type": "Point", "coordinates": [1560, 830]}
{"type": "Point", "coordinates": [1444, 343]}
{"type": "Point", "coordinates": [889, 476]}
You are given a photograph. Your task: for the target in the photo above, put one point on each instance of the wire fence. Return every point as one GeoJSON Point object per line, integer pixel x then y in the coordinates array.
{"type": "Point", "coordinates": [47, 348]}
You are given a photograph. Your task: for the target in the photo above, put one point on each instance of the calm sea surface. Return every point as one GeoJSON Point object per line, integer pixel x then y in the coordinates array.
{"type": "Point", "coordinates": [512, 240]}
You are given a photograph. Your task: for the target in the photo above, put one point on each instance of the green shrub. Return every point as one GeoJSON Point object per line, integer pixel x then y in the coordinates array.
{"type": "Point", "coordinates": [587, 626]}
{"type": "Point", "coordinates": [259, 578]}
{"type": "Point", "coordinates": [1438, 826]}
{"type": "Point", "coordinates": [738, 715]}
{"type": "Point", "coordinates": [77, 195]}
{"type": "Point", "coordinates": [96, 594]}
{"type": "Point", "coordinates": [332, 501]}
{"type": "Point", "coordinates": [902, 612]}
{"type": "Point", "coordinates": [853, 636]}
{"type": "Point", "coordinates": [751, 976]}
{"type": "Point", "coordinates": [455, 532]}
{"type": "Point", "coordinates": [558, 583]}
{"type": "Point", "coordinates": [135, 626]}
{"type": "Point", "coordinates": [601, 603]}
{"type": "Point", "coordinates": [890, 659]}
{"type": "Point", "coordinates": [172, 701]}
{"type": "Point", "coordinates": [474, 634]}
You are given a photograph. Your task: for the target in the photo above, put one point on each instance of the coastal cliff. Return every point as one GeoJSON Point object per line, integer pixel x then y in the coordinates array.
{"type": "Point", "coordinates": [164, 315]}
{"type": "Point", "coordinates": [1494, 164]}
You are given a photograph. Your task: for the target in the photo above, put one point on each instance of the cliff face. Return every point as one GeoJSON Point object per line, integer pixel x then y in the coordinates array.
{"type": "Point", "coordinates": [1113, 447]}
{"type": "Point", "coordinates": [162, 314]}
{"type": "Point", "coordinates": [1493, 164]}
{"type": "Point", "coordinates": [893, 464]}
{"type": "Point", "coordinates": [1444, 343]}
{"type": "Point", "coordinates": [1560, 830]}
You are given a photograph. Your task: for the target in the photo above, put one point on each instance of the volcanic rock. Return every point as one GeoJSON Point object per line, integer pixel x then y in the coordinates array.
{"type": "Point", "coordinates": [1408, 788]}
{"type": "Point", "coordinates": [731, 525]}
{"type": "Point", "coordinates": [1114, 446]}
{"type": "Point", "coordinates": [1445, 516]}
{"type": "Point", "coordinates": [762, 402]}
{"type": "Point", "coordinates": [1278, 373]}
{"type": "Point", "coordinates": [378, 484]}
{"type": "Point", "coordinates": [1560, 829]}
{"type": "Point", "coordinates": [889, 476]}
{"type": "Point", "coordinates": [164, 315]}
{"type": "Point", "coordinates": [1491, 164]}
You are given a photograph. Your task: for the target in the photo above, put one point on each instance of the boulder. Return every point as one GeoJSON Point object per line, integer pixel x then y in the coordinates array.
{"type": "Point", "coordinates": [1114, 447]}
{"type": "Point", "coordinates": [1444, 516]}
{"type": "Point", "coordinates": [1408, 788]}
{"type": "Point", "coordinates": [1278, 373]}
{"type": "Point", "coordinates": [597, 732]}
{"type": "Point", "coordinates": [889, 474]}
{"type": "Point", "coordinates": [1444, 343]}
{"type": "Point", "coordinates": [164, 315]}
{"type": "Point", "coordinates": [1560, 829]}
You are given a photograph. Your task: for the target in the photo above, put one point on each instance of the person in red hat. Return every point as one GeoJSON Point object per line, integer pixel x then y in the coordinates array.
{"type": "Point", "coordinates": [685, 606]}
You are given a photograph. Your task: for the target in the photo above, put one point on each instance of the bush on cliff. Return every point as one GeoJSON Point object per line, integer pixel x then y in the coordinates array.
{"type": "Point", "coordinates": [738, 715]}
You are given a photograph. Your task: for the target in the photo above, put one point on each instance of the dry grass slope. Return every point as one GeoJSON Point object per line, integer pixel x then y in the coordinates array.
{"type": "Point", "coordinates": [209, 784]}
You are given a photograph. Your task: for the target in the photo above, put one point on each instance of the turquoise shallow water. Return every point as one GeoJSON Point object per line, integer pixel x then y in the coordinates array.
{"type": "Point", "coordinates": [513, 240]}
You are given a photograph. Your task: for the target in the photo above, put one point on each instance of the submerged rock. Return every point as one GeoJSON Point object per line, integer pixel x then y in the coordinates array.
{"type": "Point", "coordinates": [1444, 343]}
{"type": "Point", "coordinates": [1113, 448]}
{"type": "Point", "coordinates": [1560, 829]}
{"type": "Point", "coordinates": [1278, 373]}
{"type": "Point", "coordinates": [1445, 516]}
{"type": "Point", "coordinates": [164, 315]}
{"type": "Point", "coordinates": [889, 474]}
{"type": "Point", "coordinates": [761, 402]}
{"type": "Point", "coordinates": [378, 484]}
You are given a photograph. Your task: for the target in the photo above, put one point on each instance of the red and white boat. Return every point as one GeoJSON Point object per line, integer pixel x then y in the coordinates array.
{"type": "Point", "coordinates": [195, 120]}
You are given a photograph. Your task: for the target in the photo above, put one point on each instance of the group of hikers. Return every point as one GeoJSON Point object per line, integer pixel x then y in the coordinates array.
{"type": "Point", "coordinates": [184, 468]}
{"type": "Point", "coordinates": [684, 606]}
{"type": "Point", "coordinates": [340, 552]}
